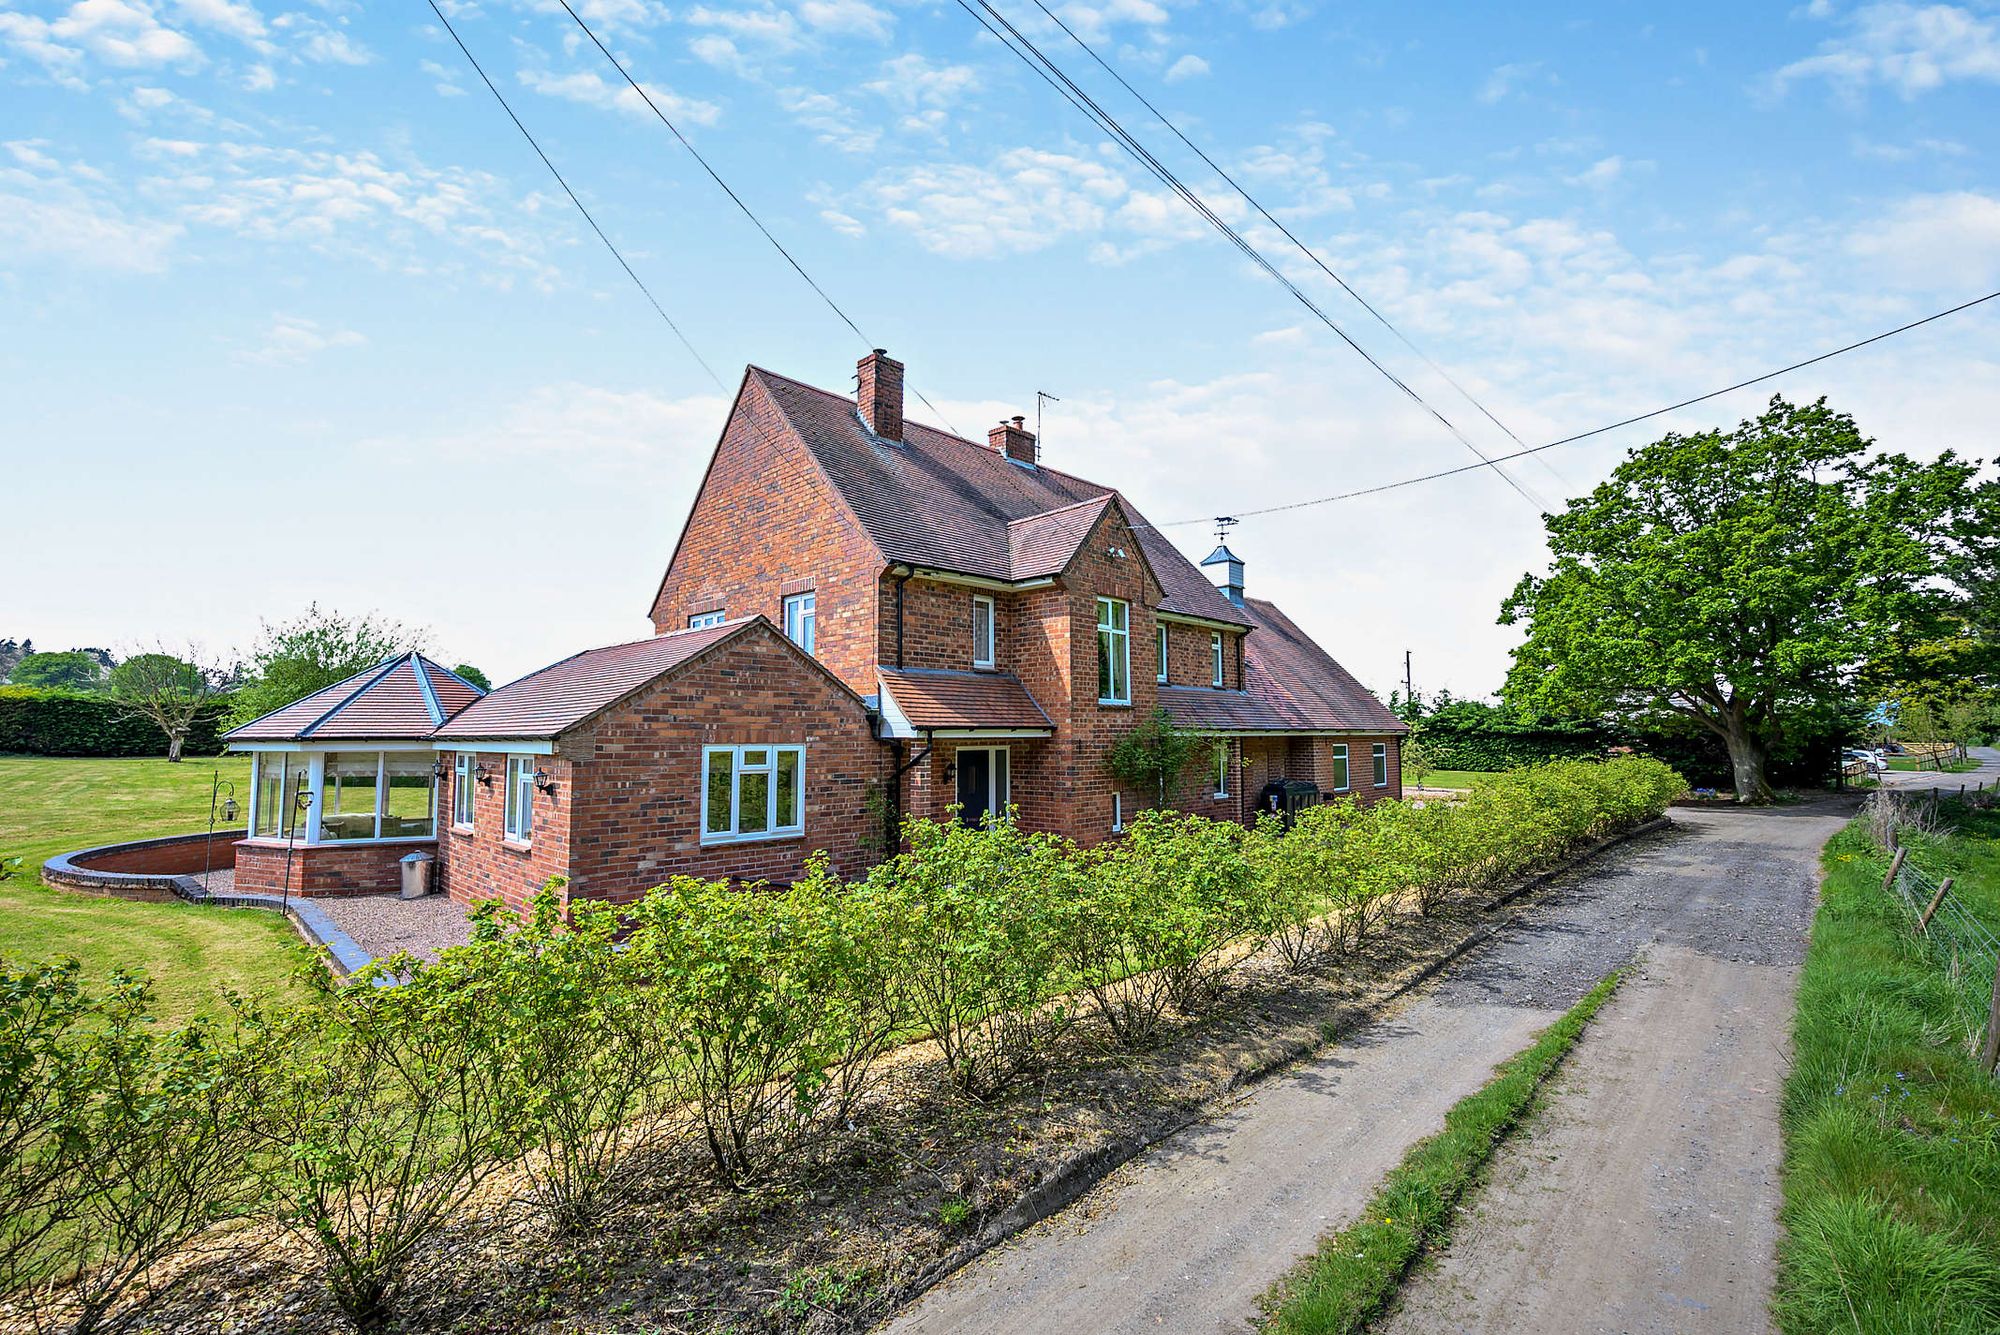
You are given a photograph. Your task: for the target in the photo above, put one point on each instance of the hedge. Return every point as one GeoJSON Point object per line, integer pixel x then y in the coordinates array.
{"type": "Point", "coordinates": [39, 722]}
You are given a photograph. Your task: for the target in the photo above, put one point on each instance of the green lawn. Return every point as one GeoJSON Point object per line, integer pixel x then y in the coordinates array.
{"type": "Point", "coordinates": [1892, 1133]}
{"type": "Point", "coordinates": [50, 806]}
{"type": "Point", "coordinates": [1451, 778]}
{"type": "Point", "coordinates": [1910, 764]}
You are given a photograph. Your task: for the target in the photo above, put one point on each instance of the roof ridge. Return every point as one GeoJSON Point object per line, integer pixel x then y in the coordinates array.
{"type": "Point", "coordinates": [1104, 499]}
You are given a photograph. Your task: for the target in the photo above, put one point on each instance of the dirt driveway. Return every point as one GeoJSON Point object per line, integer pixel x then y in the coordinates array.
{"type": "Point", "coordinates": [1185, 1237]}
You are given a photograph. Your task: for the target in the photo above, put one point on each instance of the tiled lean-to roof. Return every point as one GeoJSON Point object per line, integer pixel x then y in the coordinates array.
{"type": "Point", "coordinates": [946, 701]}
{"type": "Point", "coordinates": [946, 503]}
{"type": "Point", "coordinates": [559, 697]}
{"type": "Point", "coordinates": [401, 698]}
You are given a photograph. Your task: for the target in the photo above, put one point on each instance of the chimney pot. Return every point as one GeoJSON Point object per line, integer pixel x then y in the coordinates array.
{"type": "Point", "coordinates": [879, 395]}
{"type": "Point", "coordinates": [1013, 439]}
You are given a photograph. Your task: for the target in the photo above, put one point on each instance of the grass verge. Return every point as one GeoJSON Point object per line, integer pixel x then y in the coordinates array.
{"type": "Point", "coordinates": [1912, 765]}
{"type": "Point", "coordinates": [1357, 1270]}
{"type": "Point", "coordinates": [1892, 1133]}
{"type": "Point", "coordinates": [1451, 778]}
{"type": "Point", "coordinates": [52, 805]}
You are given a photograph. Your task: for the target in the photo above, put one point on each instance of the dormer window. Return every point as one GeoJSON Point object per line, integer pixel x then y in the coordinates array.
{"type": "Point", "coordinates": [982, 631]}
{"type": "Point", "coordinates": [1215, 652]}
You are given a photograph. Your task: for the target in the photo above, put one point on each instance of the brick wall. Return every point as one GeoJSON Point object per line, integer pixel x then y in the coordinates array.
{"type": "Point", "coordinates": [1190, 658]}
{"type": "Point", "coordinates": [324, 869]}
{"type": "Point", "coordinates": [766, 525]}
{"type": "Point", "coordinates": [626, 813]}
{"type": "Point", "coordinates": [482, 863]}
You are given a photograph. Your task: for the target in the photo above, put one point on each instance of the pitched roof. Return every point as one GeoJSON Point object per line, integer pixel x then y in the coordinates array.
{"type": "Point", "coordinates": [1299, 681]}
{"type": "Point", "coordinates": [935, 699]}
{"type": "Point", "coordinates": [402, 697]}
{"type": "Point", "coordinates": [559, 697]}
{"type": "Point", "coordinates": [1207, 710]}
{"type": "Point", "coordinates": [938, 500]}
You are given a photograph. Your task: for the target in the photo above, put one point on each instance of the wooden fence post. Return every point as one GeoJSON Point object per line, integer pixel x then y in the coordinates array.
{"type": "Point", "coordinates": [1895, 867]}
{"type": "Point", "coordinates": [1989, 1056]}
{"type": "Point", "coordinates": [1924, 922]}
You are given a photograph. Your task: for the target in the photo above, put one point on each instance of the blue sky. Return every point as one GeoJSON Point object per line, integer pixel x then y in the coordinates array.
{"type": "Point", "coordinates": [292, 313]}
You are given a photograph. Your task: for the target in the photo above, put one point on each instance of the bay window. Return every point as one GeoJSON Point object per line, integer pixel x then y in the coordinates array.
{"type": "Point", "coordinates": [1114, 652]}
{"type": "Point", "coordinates": [752, 792]}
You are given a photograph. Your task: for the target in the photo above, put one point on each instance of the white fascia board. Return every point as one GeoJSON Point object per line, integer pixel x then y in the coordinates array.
{"type": "Point", "coordinates": [1182, 619]}
{"type": "Point", "coordinates": [977, 581]}
{"type": "Point", "coordinates": [505, 746]}
{"type": "Point", "coordinates": [344, 744]}
{"type": "Point", "coordinates": [991, 734]}
{"type": "Point", "coordinates": [896, 726]}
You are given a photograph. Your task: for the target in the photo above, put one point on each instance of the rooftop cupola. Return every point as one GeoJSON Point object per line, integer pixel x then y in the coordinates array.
{"type": "Point", "coordinates": [1224, 566]}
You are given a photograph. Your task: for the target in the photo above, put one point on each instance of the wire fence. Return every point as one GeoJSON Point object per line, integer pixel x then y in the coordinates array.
{"type": "Point", "coordinates": [1961, 940]}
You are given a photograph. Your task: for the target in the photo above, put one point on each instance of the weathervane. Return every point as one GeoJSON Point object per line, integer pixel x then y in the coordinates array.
{"type": "Point", "coordinates": [1223, 523]}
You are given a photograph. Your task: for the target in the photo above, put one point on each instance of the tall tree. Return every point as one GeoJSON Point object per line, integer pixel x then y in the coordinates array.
{"type": "Point", "coordinates": [170, 690]}
{"type": "Point", "coordinates": [70, 670]}
{"type": "Point", "coordinates": [294, 658]}
{"type": "Point", "coordinates": [1741, 579]}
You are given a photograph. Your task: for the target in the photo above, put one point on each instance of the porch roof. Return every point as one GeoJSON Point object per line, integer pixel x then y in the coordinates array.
{"type": "Point", "coordinates": [936, 700]}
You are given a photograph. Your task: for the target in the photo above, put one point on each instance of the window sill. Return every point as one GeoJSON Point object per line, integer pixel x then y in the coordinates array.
{"type": "Point", "coordinates": [516, 846]}
{"type": "Point", "coordinates": [462, 831]}
{"type": "Point", "coordinates": [1114, 704]}
{"type": "Point", "coordinates": [725, 840]}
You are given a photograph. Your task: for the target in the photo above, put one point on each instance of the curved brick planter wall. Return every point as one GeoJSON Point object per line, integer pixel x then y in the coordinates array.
{"type": "Point", "coordinates": [155, 869]}
{"type": "Point", "coordinates": [170, 868]}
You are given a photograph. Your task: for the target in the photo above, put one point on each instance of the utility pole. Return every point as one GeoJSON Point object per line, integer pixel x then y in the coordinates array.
{"type": "Point", "coordinates": [1409, 690]}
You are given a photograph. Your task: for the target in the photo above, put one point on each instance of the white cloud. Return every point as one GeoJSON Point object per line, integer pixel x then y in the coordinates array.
{"type": "Point", "coordinates": [1095, 22]}
{"type": "Point", "coordinates": [1916, 148]}
{"type": "Point", "coordinates": [832, 121]}
{"type": "Point", "coordinates": [126, 34]}
{"type": "Point", "coordinates": [52, 210]}
{"type": "Point", "coordinates": [593, 90]}
{"type": "Point", "coordinates": [238, 20]}
{"type": "Point", "coordinates": [333, 47]}
{"type": "Point", "coordinates": [847, 16]}
{"type": "Point", "coordinates": [259, 79]}
{"type": "Point", "coordinates": [774, 28]}
{"type": "Point", "coordinates": [912, 82]}
{"type": "Point", "coordinates": [577, 422]}
{"type": "Point", "coordinates": [1026, 200]}
{"type": "Point", "coordinates": [290, 340]}
{"type": "Point", "coordinates": [1913, 49]}
{"type": "Point", "coordinates": [1603, 172]}
{"type": "Point", "coordinates": [1945, 242]}
{"type": "Point", "coordinates": [1505, 79]}
{"type": "Point", "coordinates": [1187, 67]}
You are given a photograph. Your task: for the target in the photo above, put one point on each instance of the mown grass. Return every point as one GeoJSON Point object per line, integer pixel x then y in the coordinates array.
{"type": "Point", "coordinates": [1451, 778]}
{"type": "Point", "coordinates": [1892, 1133]}
{"type": "Point", "coordinates": [1357, 1270]}
{"type": "Point", "coordinates": [1915, 765]}
{"type": "Point", "coordinates": [51, 805]}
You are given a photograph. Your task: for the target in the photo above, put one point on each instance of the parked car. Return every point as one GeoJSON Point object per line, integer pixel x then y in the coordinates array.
{"type": "Point", "coordinates": [1894, 748]}
{"type": "Point", "coordinates": [1875, 763]}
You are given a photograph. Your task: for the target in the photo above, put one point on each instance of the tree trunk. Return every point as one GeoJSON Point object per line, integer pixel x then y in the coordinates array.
{"type": "Point", "coordinates": [1747, 760]}
{"type": "Point", "coordinates": [174, 742]}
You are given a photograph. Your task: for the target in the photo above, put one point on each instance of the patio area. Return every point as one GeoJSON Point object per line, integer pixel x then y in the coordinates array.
{"type": "Point", "coordinates": [380, 925]}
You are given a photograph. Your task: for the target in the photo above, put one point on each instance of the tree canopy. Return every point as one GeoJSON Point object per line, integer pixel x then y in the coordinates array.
{"type": "Point", "coordinates": [72, 670]}
{"type": "Point", "coordinates": [1744, 579]}
{"type": "Point", "coordinates": [169, 690]}
{"type": "Point", "coordinates": [293, 659]}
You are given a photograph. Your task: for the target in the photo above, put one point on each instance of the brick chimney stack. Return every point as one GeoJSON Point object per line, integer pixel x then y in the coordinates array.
{"type": "Point", "coordinates": [880, 395]}
{"type": "Point", "coordinates": [1013, 439]}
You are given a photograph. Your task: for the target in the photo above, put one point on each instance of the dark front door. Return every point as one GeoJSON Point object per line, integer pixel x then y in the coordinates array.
{"type": "Point", "coordinates": [975, 786]}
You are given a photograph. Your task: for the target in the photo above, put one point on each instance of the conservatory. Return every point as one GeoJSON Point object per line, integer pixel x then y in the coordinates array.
{"type": "Point", "coordinates": [344, 782]}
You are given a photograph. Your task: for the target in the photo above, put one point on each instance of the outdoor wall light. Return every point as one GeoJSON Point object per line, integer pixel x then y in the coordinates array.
{"type": "Point", "coordinates": [484, 775]}
{"type": "Point", "coordinates": [545, 781]}
{"type": "Point", "coordinates": [950, 770]}
{"type": "Point", "coordinates": [440, 769]}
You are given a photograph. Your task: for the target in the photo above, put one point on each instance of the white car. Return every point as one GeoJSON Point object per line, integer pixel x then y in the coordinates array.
{"type": "Point", "coordinates": [1872, 759]}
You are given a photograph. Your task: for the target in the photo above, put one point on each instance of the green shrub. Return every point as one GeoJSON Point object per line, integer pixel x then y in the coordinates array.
{"type": "Point", "coordinates": [777, 1006]}
{"type": "Point", "coordinates": [44, 722]}
{"type": "Point", "coordinates": [973, 925]}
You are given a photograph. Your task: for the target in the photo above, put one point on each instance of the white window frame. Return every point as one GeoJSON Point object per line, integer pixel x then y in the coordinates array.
{"type": "Point", "coordinates": [1114, 620]}
{"type": "Point", "coordinates": [980, 600]}
{"type": "Point", "coordinates": [1215, 652]}
{"type": "Point", "coordinates": [703, 620]}
{"type": "Point", "coordinates": [1380, 757]}
{"type": "Point", "coordinates": [518, 822]}
{"type": "Point", "coordinates": [1117, 812]}
{"type": "Point", "coordinates": [737, 769]}
{"type": "Point", "coordinates": [999, 777]}
{"type": "Point", "coordinates": [1222, 769]}
{"type": "Point", "coordinates": [1346, 768]}
{"type": "Point", "coordinates": [1161, 676]}
{"type": "Point", "coordinates": [806, 608]}
{"type": "Point", "coordinates": [464, 774]}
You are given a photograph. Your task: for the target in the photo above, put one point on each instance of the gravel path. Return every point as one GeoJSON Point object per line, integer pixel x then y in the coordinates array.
{"type": "Point", "coordinates": [385, 924]}
{"type": "Point", "coordinates": [1188, 1235]}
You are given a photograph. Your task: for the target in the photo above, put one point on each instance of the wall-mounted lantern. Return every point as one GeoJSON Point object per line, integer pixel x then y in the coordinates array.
{"type": "Point", "coordinates": [545, 781]}
{"type": "Point", "coordinates": [484, 775]}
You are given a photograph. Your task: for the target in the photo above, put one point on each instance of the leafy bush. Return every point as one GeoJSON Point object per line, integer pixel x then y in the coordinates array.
{"type": "Point", "coordinates": [776, 1004]}
{"type": "Point", "coordinates": [378, 1110]}
{"type": "Point", "coordinates": [974, 921]}
{"type": "Point", "coordinates": [589, 1047]}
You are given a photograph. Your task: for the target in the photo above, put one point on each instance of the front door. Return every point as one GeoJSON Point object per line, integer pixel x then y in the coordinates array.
{"type": "Point", "coordinates": [982, 784]}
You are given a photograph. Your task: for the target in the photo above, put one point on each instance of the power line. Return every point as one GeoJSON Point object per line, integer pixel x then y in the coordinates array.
{"type": "Point", "coordinates": [1304, 249]}
{"type": "Point", "coordinates": [1598, 431]}
{"type": "Point", "coordinates": [1053, 75]}
{"type": "Point", "coordinates": [734, 198]}
{"type": "Point", "coordinates": [615, 253]}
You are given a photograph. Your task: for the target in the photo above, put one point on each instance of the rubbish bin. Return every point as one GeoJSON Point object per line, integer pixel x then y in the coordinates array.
{"type": "Point", "coordinates": [417, 875]}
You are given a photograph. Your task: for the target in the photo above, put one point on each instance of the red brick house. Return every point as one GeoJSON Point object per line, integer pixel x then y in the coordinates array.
{"type": "Point", "coordinates": [863, 616]}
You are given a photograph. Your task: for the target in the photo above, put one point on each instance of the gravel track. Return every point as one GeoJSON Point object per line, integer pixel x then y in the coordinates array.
{"type": "Point", "coordinates": [1186, 1236]}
